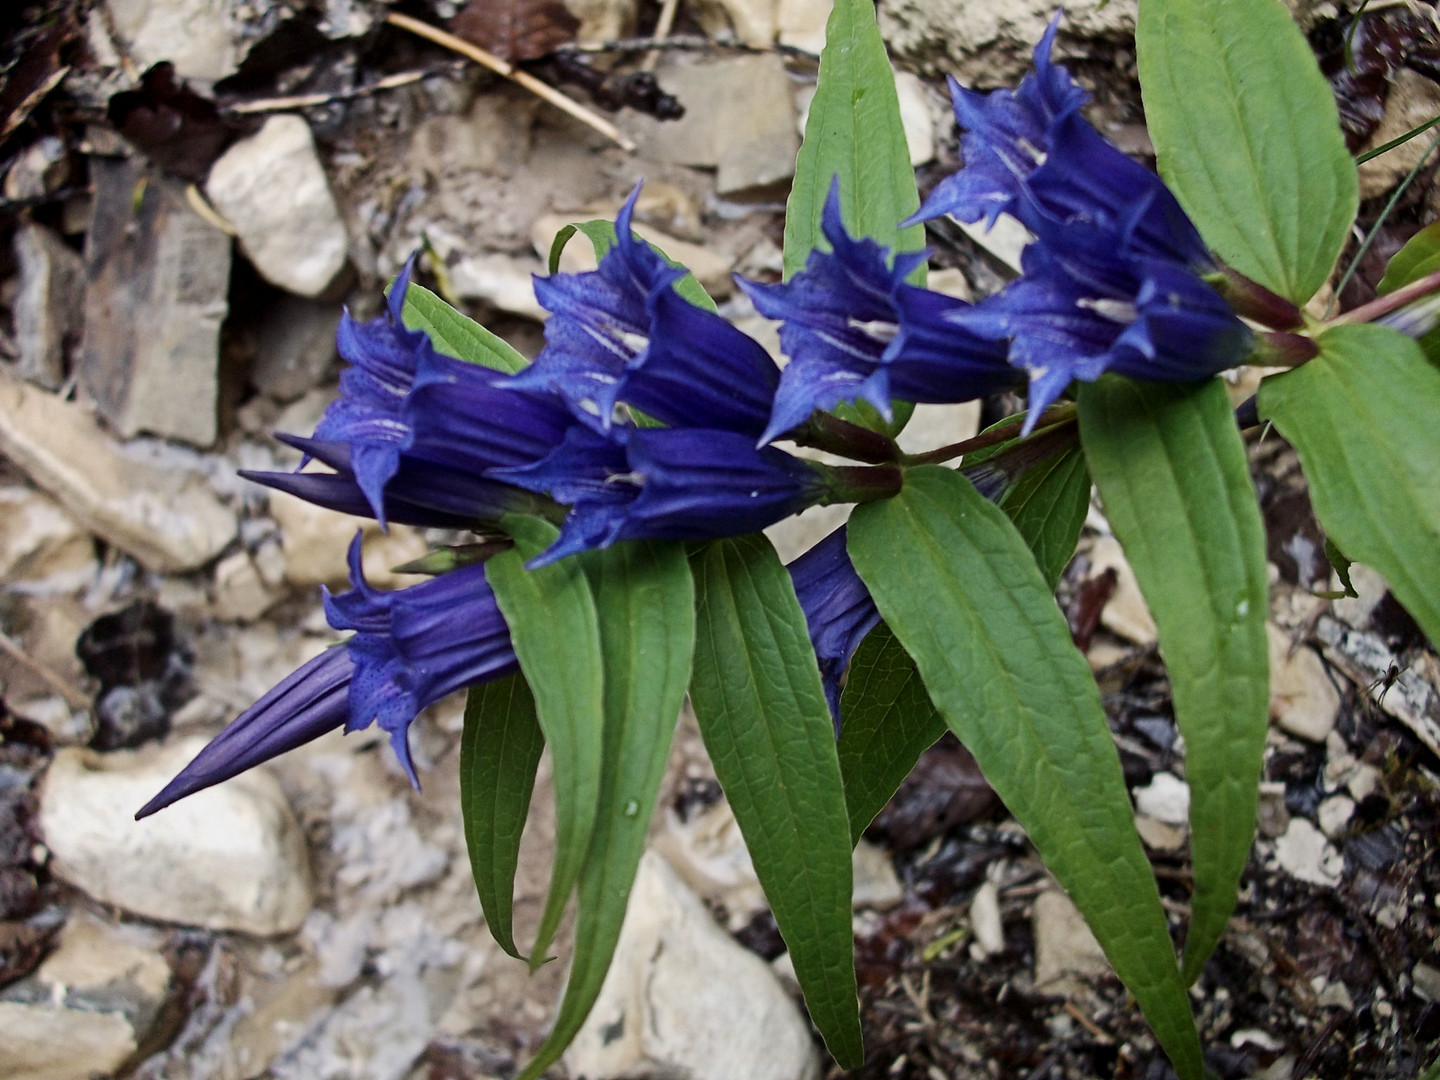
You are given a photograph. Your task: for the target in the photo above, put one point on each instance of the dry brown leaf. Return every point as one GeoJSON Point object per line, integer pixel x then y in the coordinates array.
{"type": "Point", "coordinates": [516, 30]}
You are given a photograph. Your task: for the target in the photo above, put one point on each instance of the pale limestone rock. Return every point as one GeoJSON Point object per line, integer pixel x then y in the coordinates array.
{"type": "Point", "coordinates": [801, 23]}
{"type": "Point", "coordinates": [48, 304]}
{"type": "Point", "coordinates": [1304, 853]}
{"type": "Point", "coordinates": [503, 281]}
{"type": "Point", "coordinates": [710, 267]}
{"type": "Point", "coordinates": [492, 137]}
{"type": "Point", "coordinates": [753, 21]}
{"type": "Point", "coordinates": [988, 43]}
{"type": "Point", "coordinates": [1426, 980]}
{"type": "Point", "coordinates": [915, 117]}
{"type": "Point", "coordinates": [87, 1007]}
{"type": "Point", "coordinates": [228, 858]}
{"type": "Point", "coordinates": [709, 852]}
{"type": "Point", "coordinates": [272, 190]}
{"type": "Point", "coordinates": [799, 533]}
{"type": "Point", "coordinates": [934, 426]}
{"type": "Point", "coordinates": [194, 35]}
{"type": "Point", "coordinates": [42, 1042]}
{"type": "Point", "coordinates": [158, 291]}
{"type": "Point", "coordinates": [1006, 239]}
{"type": "Point", "coordinates": [1334, 815]}
{"type": "Point", "coordinates": [950, 281]}
{"type": "Point", "coordinates": [985, 922]}
{"type": "Point", "coordinates": [294, 347]}
{"type": "Point", "coordinates": [241, 594]}
{"type": "Point", "coordinates": [155, 509]}
{"type": "Point", "coordinates": [1065, 947]}
{"type": "Point", "coordinates": [1166, 798]}
{"type": "Point", "coordinates": [40, 542]}
{"type": "Point", "coordinates": [1412, 101]}
{"type": "Point", "coordinates": [740, 119]}
{"type": "Point", "coordinates": [683, 1000]}
{"type": "Point", "coordinates": [876, 885]}
{"type": "Point", "coordinates": [315, 541]}
{"type": "Point", "coordinates": [1159, 836]}
{"type": "Point", "coordinates": [603, 20]}
{"type": "Point", "coordinates": [1126, 613]}
{"type": "Point", "coordinates": [1302, 700]}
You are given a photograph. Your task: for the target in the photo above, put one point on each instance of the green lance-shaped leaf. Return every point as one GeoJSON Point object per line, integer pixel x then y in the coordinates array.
{"type": "Point", "coordinates": [853, 132]}
{"type": "Point", "coordinates": [961, 591]}
{"type": "Point", "coordinates": [1171, 469]}
{"type": "Point", "coordinates": [601, 235]}
{"type": "Point", "coordinates": [757, 694]}
{"type": "Point", "coordinates": [889, 723]}
{"type": "Point", "coordinates": [455, 334]}
{"type": "Point", "coordinates": [1047, 503]}
{"type": "Point", "coordinates": [646, 602]}
{"type": "Point", "coordinates": [1363, 417]}
{"type": "Point", "coordinates": [499, 753]}
{"type": "Point", "coordinates": [1247, 136]}
{"type": "Point", "coordinates": [1419, 257]}
{"type": "Point", "coordinates": [888, 718]}
{"type": "Point", "coordinates": [554, 630]}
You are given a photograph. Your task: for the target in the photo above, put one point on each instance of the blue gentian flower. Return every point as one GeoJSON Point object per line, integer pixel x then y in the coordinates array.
{"type": "Point", "coordinates": [415, 646]}
{"type": "Point", "coordinates": [405, 408]}
{"type": "Point", "coordinates": [854, 330]}
{"type": "Point", "coordinates": [1114, 278]}
{"type": "Point", "coordinates": [419, 493]}
{"type": "Point", "coordinates": [621, 333]}
{"type": "Point", "coordinates": [382, 356]}
{"type": "Point", "coordinates": [1006, 137]}
{"type": "Point", "coordinates": [666, 484]}
{"type": "Point", "coordinates": [412, 648]}
{"type": "Point", "coordinates": [313, 699]}
{"type": "Point", "coordinates": [838, 610]}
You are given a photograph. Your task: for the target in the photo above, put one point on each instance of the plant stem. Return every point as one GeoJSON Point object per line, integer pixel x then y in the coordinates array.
{"type": "Point", "coordinates": [1004, 431]}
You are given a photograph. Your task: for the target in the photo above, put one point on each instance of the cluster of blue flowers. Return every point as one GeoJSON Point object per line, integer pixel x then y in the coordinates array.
{"type": "Point", "coordinates": [647, 417]}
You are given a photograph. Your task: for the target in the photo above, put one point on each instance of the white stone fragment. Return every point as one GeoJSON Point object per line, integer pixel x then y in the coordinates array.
{"type": "Point", "coordinates": [683, 1000]}
{"type": "Point", "coordinates": [1166, 798]}
{"type": "Point", "coordinates": [272, 190]}
{"type": "Point", "coordinates": [151, 507]}
{"type": "Point", "coordinates": [985, 922]}
{"type": "Point", "coordinates": [1304, 853]}
{"type": "Point", "coordinates": [915, 117]}
{"type": "Point", "coordinates": [228, 858]}
{"type": "Point", "coordinates": [1065, 947]}
{"type": "Point", "coordinates": [1125, 613]}
{"type": "Point", "coordinates": [1334, 815]}
{"type": "Point", "coordinates": [1302, 700]}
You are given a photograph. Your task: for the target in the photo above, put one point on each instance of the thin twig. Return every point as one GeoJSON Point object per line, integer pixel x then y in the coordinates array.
{"type": "Point", "coordinates": [1383, 305]}
{"type": "Point", "coordinates": [197, 202]}
{"type": "Point", "coordinates": [662, 31]}
{"type": "Point", "coordinates": [1400, 190]}
{"type": "Point", "coordinates": [677, 42]}
{"type": "Point", "coordinates": [524, 78]}
{"type": "Point", "coordinates": [306, 101]}
{"type": "Point", "coordinates": [72, 694]}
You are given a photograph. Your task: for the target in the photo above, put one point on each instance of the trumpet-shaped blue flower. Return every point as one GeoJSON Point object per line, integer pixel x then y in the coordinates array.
{"type": "Point", "coordinates": [838, 610]}
{"type": "Point", "coordinates": [419, 493]}
{"type": "Point", "coordinates": [406, 409]}
{"type": "Point", "coordinates": [666, 484]}
{"type": "Point", "coordinates": [621, 333]}
{"type": "Point", "coordinates": [1006, 137]}
{"type": "Point", "coordinates": [412, 647]}
{"type": "Point", "coordinates": [854, 330]}
{"type": "Point", "coordinates": [313, 699]}
{"type": "Point", "coordinates": [1113, 279]}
